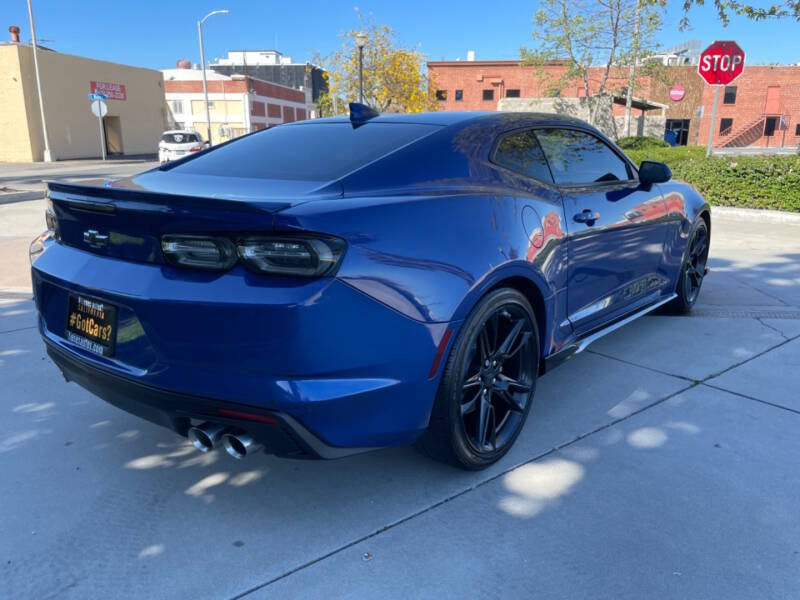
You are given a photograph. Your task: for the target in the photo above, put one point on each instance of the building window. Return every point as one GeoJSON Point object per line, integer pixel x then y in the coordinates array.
{"type": "Point", "coordinates": [441, 95]}
{"type": "Point", "coordinates": [797, 130]}
{"type": "Point", "coordinates": [176, 106]}
{"type": "Point", "coordinates": [725, 126]}
{"type": "Point", "coordinates": [488, 95]}
{"type": "Point", "coordinates": [459, 95]}
{"type": "Point", "coordinates": [730, 95]}
{"type": "Point", "coordinates": [512, 93]}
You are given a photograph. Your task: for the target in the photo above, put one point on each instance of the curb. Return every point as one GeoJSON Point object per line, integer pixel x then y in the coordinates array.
{"type": "Point", "coordinates": [21, 196]}
{"type": "Point", "coordinates": [16, 293]}
{"type": "Point", "coordinates": [755, 214]}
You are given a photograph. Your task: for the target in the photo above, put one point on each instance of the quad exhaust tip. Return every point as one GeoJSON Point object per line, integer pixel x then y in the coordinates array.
{"type": "Point", "coordinates": [239, 444]}
{"type": "Point", "coordinates": [204, 437]}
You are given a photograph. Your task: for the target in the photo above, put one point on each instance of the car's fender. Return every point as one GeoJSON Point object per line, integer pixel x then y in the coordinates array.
{"type": "Point", "coordinates": [684, 206]}
{"type": "Point", "coordinates": [431, 258]}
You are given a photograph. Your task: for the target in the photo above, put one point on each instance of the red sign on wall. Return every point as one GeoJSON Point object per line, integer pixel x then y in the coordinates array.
{"type": "Point", "coordinates": [721, 63]}
{"type": "Point", "coordinates": [114, 91]}
{"type": "Point", "coordinates": [677, 92]}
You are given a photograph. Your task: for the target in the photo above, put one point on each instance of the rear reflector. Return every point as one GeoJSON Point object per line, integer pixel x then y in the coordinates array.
{"type": "Point", "coordinates": [235, 414]}
{"type": "Point", "coordinates": [439, 352]}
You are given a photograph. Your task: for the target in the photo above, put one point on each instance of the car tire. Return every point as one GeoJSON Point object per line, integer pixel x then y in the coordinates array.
{"type": "Point", "coordinates": [473, 425]}
{"type": "Point", "coordinates": [693, 269]}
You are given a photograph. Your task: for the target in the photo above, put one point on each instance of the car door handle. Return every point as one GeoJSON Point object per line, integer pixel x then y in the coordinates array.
{"type": "Point", "coordinates": [587, 216]}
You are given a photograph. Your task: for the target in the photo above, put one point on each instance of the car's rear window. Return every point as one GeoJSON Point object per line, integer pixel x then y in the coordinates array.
{"type": "Point", "coordinates": [313, 152]}
{"type": "Point", "coordinates": [179, 138]}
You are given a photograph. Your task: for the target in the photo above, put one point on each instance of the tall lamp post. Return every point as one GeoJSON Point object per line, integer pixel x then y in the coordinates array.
{"type": "Point", "coordinates": [203, 64]}
{"type": "Point", "coordinates": [47, 155]}
{"type": "Point", "coordinates": [361, 41]}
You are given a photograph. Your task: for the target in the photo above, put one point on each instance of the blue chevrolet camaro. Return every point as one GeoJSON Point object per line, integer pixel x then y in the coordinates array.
{"type": "Point", "coordinates": [331, 286]}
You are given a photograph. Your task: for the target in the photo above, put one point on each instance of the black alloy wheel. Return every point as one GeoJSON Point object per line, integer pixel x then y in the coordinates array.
{"type": "Point", "coordinates": [499, 380]}
{"type": "Point", "coordinates": [695, 266]}
{"type": "Point", "coordinates": [693, 270]}
{"type": "Point", "coordinates": [488, 383]}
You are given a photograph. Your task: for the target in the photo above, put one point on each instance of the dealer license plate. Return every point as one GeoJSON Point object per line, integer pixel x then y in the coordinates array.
{"type": "Point", "coordinates": [92, 324]}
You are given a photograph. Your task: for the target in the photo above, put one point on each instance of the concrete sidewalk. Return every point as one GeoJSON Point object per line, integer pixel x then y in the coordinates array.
{"type": "Point", "coordinates": [660, 463]}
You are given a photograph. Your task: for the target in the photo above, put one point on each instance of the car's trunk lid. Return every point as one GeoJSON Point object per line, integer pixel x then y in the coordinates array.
{"type": "Point", "coordinates": [125, 218]}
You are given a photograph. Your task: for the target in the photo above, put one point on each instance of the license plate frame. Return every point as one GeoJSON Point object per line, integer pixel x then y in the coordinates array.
{"type": "Point", "coordinates": [91, 324]}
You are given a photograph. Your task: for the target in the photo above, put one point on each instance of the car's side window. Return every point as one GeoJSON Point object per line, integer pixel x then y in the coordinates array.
{"type": "Point", "coordinates": [520, 152]}
{"type": "Point", "coordinates": [579, 158]}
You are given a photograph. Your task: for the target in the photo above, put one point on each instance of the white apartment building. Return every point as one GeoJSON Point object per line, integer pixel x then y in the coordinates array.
{"type": "Point", "coordinates": [237, 104]}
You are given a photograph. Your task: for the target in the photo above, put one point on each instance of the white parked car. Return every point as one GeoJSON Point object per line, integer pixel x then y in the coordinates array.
{"type": "Point", "coordinates": [177, 143]}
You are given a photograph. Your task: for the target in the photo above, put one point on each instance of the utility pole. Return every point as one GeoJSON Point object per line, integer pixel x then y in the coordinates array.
{"type": "Point", "coordinates": [47, 155]}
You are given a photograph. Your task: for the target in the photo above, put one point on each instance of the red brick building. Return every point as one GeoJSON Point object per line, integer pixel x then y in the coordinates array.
{"type": "Point", "coordinates": [761, 108]}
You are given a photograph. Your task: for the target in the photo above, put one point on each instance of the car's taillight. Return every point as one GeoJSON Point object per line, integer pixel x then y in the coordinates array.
{"type": "Point", "coordinates": [302, 257]}
{"type": "Point", "coordinates": [196, 149]}
{"type": "Point", "coordinates": [199, 252]}
{"type": "Point", "coordinates": [50, 218]}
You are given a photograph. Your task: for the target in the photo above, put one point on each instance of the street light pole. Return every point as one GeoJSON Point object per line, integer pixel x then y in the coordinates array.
{"type": "Point", "coordinates": [361, 74]}
{"type": "Point", "coordinates": [361, 40]}
{"type": "Point", "coordinates": [47, 156]}
{"type": "Point", "coordinates": [203, 65]}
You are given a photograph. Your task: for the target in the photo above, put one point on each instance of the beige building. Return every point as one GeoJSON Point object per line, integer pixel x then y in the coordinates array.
{"type": "Point", "coordinates": [134, 123]}
{"type": "Point", "coordinates": [237, 104]}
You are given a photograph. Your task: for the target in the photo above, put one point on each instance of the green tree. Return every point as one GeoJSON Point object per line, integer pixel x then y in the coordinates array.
{"type": "Point", "coordinates": [646, 22]}
{"type": "Point", "coordinates": [582, 34]}
{"type": "Point", "coordinates": [788, 8]}
{"type": "Point", "coordinates": [395, 77]}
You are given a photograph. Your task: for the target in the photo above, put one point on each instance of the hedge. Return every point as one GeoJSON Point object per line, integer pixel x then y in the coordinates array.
{"type": "Point", "coordinates": [641, 143]}
{"type": "Point", "coordinates": [743, 181]}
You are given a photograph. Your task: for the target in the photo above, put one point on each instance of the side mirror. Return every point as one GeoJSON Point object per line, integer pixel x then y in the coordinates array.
{"type": "Point", "coordinates": [651, 172]}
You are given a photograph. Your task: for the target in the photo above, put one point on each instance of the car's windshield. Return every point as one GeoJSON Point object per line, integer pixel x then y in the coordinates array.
{"type": "Point", "coordinates": [180, 138]}
{"type": "Point", "coordinates": [314, 152]}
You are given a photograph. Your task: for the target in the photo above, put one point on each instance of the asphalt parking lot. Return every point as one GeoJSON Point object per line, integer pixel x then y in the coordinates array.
{"type": "Point", "coordinates": [662, 462]}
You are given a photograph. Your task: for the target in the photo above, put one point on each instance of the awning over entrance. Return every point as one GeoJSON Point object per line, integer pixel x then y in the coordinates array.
{"type": "Point", "coordinates": [641, 104]}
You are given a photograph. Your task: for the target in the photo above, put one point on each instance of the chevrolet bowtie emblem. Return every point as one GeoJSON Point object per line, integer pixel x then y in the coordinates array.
{"type": "Point", "coordinates": [95, 239]}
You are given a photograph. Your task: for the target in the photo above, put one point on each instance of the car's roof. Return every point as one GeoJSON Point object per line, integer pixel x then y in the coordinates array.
{"type": "Point", "coordinates": [178, 131]}
{"type": "Point", "coordinates": [446, 118]}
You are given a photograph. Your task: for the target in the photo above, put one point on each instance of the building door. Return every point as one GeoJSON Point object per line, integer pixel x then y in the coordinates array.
{"type": "Point", "coordinates": [773, 104]}
{"type": "Point", "coordinates": [770, 125]}
{"type": "Point", "coordinates": [681, 129]}
{"type": "Point", "coordinates": [113, 131]}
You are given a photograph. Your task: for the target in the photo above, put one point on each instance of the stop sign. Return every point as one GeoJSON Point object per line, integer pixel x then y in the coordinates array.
{"type": "Point", "coordinates": [721, 63]}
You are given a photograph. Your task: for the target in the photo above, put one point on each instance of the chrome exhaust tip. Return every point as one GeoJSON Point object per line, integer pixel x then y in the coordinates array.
{"type": "Point", "coordinates": [204, 437]}
{"type": "Point", "coordinates": [239, 445]}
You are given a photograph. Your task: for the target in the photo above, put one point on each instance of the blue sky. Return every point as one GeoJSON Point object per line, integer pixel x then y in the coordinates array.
{"type": "Point", "coordinates": [155, 34]}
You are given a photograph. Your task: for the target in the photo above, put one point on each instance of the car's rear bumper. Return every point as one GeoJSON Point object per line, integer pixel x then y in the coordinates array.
{"type": "Point", "coordinates": [278, 432]}
{"type": "Point", "coordinates": [338, 363]}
